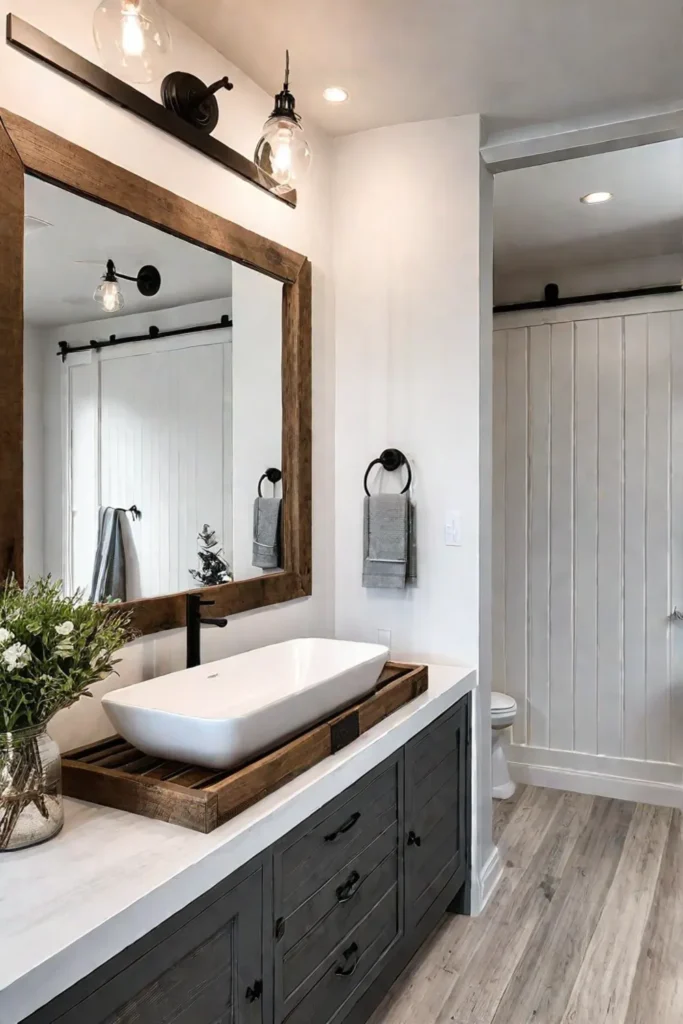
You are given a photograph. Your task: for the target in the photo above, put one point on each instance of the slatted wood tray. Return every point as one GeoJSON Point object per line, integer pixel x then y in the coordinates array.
{"type": "Point", "coordinates": [114, 773]}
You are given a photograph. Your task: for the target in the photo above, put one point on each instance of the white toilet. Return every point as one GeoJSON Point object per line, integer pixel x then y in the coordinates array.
{"type": "Point", "coordinates": [503, 711]}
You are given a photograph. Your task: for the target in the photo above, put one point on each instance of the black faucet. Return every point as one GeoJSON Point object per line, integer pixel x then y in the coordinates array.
{"type": "Point", "coordinates": [194, 621]}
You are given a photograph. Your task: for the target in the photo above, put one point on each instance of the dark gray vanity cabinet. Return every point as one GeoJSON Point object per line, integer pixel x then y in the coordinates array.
{"type": "Point", "coordinates": [200, 968]}
{"type": "Point", "coordinates": [316, 929]}
{"type": "Point", "coordinates": [338, 899]}
{"type": "Point", "coordinates": [435, 812]}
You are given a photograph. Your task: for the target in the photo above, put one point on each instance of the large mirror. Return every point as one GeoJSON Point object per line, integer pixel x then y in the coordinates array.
{"type": "Point", "coordinates": [155, 411]}
{"type": "Point", "coordinates": [153, 406]}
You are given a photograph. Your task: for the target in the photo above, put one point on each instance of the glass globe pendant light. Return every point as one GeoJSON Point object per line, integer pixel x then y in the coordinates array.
{"type": "Point", "coordinates": [108, 293]}
{"type": "Point", "coordinates": [132, 38]}
{"type": "Point", "coordinates": [282, 151]}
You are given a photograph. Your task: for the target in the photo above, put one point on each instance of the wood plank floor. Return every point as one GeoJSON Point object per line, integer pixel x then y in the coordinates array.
{"type": "Point", "coordinates": [585, 927]}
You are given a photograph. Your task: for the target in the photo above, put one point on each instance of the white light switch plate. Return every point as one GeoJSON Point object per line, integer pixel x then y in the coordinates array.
{"type": "Point", "coordinates": [453, 530]}
{"type": "Point", "coordinates": [384, 637]}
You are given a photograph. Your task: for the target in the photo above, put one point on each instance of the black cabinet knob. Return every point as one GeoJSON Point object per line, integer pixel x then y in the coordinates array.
{"type": "Point", "coordinates": [414, 840]}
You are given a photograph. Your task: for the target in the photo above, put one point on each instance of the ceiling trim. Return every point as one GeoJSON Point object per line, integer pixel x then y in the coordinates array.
{"type": "Point", "coordinates": [572, 143]}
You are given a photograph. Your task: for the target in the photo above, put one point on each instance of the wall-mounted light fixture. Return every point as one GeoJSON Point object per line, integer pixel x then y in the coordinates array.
{"type": "Point", "coordinates": [282, 151]}
{"type": "Point", "coordinates": [108, 293]}
{"type": "Point", "coordinates": [132, 38]}
{"type": "Point", "coordinates": [133, 41]}
{"type": "Point", "coordinates": [188, 97]}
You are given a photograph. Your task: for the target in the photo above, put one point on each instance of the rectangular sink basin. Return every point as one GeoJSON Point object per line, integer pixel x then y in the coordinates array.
{"type": "Point", "coordinates": [225, 713]}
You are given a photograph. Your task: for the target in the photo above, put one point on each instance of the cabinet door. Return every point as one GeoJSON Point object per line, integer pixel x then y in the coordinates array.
{"type": "Point", "coordinates": [209, 971]}
{"type": "Point", "coordinates": [436, 789]}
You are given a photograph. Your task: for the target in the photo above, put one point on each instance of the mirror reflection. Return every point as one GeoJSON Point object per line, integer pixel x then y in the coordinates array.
{"type": "Point", "coordinates": [153, 406]}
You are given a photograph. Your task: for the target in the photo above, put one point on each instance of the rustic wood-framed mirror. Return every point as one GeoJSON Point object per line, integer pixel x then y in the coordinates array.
{"type": "Point", "coordinates": [33, 159]}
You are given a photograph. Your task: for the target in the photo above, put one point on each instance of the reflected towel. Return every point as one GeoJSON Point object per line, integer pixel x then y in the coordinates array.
{"type": "Point", "coordinates": [267, 518]}
{"type": "Point", "coordinates": [109, 573]}
{"type": "Point", "coordinates": [389, 542]}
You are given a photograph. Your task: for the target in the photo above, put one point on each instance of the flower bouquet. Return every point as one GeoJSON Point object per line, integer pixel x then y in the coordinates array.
{"type": "Point", "coordinates": [52, 649]}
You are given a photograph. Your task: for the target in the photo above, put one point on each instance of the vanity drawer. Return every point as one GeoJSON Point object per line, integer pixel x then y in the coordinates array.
{"type": "Point", "coordinates": [350, 968]}
{"type": "Point", "coordinates": [312, 855]}
{"type": "Point", "coordinates": [344, 903]}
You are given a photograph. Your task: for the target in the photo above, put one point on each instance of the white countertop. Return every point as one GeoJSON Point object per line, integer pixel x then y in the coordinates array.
{"type": "Point", "coordinates": [110, 877]}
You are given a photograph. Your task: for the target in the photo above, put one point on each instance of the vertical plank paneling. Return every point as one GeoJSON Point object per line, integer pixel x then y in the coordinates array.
{"type": "Point", "coordinates": [657, 536]}
{"type": "Point", "coordinates": [610, 544]}
{"type": "Point", "coordinates": [498, 502]}
{"type": "Point", "coordinates": [635, 439]}
{"type": "Point", "coordinates": [676, 538]}
{"type": "Point", "coordinates": [593, 479]}
{"type": "Point", "coordinates": [586, 538]}
{"type": "Point", "coordinates": [562, 537]}
{"type": "Point", "coordinates": [516, 525]}
{"type": "Point", "coordinates": [539, 536]}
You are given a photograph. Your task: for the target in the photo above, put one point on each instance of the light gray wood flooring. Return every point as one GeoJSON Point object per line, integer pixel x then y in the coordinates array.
{"type": "Point", "coordinates": [585, 927]}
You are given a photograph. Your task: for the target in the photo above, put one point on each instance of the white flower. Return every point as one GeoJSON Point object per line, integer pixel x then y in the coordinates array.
{"type": "Point", "coordinates": [97, 658]}
{"type": "Point", "coordinates": [16, 656]}
{"type": "Point", "coordinates": [65, 629]}
{"type": "Point", "coordinates": [5, 636]}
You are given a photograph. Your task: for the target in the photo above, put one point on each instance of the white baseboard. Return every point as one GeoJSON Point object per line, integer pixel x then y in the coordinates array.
{"type": "Point", "coordinates": [646, 782]}
{"type": "Point", "coordinates": [484, 886]}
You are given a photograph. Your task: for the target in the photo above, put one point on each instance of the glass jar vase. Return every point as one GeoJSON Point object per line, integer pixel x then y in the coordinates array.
{"type": "Point", "coordinates": [31, 808]}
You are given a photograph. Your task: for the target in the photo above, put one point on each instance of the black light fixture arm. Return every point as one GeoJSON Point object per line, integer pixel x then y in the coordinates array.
{"type": "Point", "coordinates": [193, 100]}
{"type": "Point", "coordinates": [148, 278]}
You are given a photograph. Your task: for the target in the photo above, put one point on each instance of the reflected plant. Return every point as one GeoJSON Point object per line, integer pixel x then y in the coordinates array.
{"type": "Point", "coordinates": [213, 565]}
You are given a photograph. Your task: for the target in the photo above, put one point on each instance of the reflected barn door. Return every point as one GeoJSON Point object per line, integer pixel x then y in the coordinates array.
{"type": "Point", "coordinates": [164, 431]}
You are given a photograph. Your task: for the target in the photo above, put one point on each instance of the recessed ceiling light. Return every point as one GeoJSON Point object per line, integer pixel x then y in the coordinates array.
{"type": "Point", "coordinates": [335, 94]}
{"type": "Point", "coordinates": [596, 197]}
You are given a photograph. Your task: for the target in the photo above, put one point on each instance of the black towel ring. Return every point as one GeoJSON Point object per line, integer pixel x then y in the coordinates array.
{"type": "Point", "coordinates": [391, 459]}
{"type": "Point", "coordinates": [273, 476]}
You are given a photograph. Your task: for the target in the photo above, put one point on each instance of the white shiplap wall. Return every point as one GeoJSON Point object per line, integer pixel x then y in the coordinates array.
{"type": "Point", "coordinates": [588, 473]}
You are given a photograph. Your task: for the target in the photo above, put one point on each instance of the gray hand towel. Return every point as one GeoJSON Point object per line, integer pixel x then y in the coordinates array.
{"type": "Point", "coordinates": [109, 572]}
{"type": "Point", "coordinates": [389, 551]}
{"type": "Point", "coordinates": [266, 550]}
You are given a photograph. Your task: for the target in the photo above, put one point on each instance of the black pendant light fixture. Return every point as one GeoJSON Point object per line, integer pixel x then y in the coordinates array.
{"type": "Point", "coordinates": [108, 293]}
{"type": "Point", "coordinates": [283, 151]}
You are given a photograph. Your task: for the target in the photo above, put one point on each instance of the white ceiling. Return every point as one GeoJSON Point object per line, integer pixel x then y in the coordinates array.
{"type": "Point", "coordinates": [539, 221]}
{"type": "Point", "coordinates": [58, 289]}
{"type": "Point", "coordinates": [520, 62]}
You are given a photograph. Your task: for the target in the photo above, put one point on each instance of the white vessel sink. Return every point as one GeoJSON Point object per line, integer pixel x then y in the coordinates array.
{"type": "Point", "coordinates": [222, 714]}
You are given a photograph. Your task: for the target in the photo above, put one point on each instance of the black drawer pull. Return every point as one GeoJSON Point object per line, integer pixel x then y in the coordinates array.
{"type": "Point", "coordinates": [414, 840]}
{"type": "Point", "coordinates": [346, 972]}
{"type": "Point", "coordinates": [254, 992]}
{"type": "Point", "coordinates": [343, 828]}
{"type": "Point", "coordinates": [349, 888]}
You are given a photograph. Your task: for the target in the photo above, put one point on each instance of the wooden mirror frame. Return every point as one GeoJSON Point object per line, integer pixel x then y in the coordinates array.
{"type": "Point", "coordinates": [26, 148]}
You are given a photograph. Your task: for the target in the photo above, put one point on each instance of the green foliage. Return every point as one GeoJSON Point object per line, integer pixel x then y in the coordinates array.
{"type": "Point", "coordinates": [52, 648]}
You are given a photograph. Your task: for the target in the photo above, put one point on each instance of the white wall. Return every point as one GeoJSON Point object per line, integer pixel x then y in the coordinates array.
{"type": "Point", "coordinates": [527, 285]}
{"type": "Point", "coordinates": [257, 402]}
{"type": "Point", "coordinates": [41, 95]}
{"type": "Point", "coordinates": [589, 506]}
{"type": "Point", "coordinates": [414, 373]}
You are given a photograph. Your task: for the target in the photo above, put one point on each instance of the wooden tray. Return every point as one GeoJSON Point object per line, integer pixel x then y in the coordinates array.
{"type": "Point", "coordinates": [114, 773]}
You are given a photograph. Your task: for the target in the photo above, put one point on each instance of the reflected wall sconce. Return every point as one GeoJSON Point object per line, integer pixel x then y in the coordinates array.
{"type": "Point", "coordinates": [283, 151]}
{"type": "Point", "coordinates": [108, 294]}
